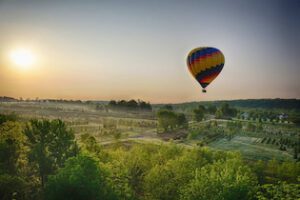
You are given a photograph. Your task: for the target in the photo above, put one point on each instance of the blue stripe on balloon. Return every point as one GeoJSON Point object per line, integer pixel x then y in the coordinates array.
{"type": "Point", "coordinates": [198, 54]}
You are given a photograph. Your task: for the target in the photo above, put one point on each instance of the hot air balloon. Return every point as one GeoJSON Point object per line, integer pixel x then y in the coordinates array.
{"type": "Point", "coordinates": [205, 64]}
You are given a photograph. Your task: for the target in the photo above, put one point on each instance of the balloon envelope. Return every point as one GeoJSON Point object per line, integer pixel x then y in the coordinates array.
{"type": "Point", "coordinates": [205, 64]}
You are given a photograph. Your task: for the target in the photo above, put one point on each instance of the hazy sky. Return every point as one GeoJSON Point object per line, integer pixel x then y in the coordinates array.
{"type": "Point", "coordinates": [137, 49]}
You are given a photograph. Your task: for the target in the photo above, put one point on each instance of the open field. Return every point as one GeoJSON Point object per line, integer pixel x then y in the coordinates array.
{"type": "Point", "coordinates": [250, 148]}
{"type": "Point", "coordinates": [109, 126]}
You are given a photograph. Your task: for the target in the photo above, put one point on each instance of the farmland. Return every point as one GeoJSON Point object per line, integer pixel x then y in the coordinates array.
{"type": "Point", "coordinates": [254, 139]}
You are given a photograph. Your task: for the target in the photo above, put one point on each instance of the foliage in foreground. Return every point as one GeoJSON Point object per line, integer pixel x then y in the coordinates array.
{"type": "Point", "coordinates": [221, 180]}
{"type": "Point", "coordinates": [128, 170]}
{"type": "Point", "coordinates": [81, 178]}
{"type": "Point", "coordinates": [172, 172]}
{"type": "Point", "coordinates": [281, 190]}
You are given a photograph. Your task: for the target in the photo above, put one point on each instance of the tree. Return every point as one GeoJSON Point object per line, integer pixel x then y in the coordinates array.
{"type": "Point", "coordinates": [39, 138]}
{"type": "Point", "coordinates": [112, 103]}
{"type": "Point", "coordinates": [99, 106]}
{"type": "Point", "coordinates": [164, 181]}
{"type": "Point", "coordinates": [128, 169]}
{"type": "Point", "coordinates": [182, 121]}
{"type": "Point", "coordinates": [144, 106]}
{"type": "Point", "coordinates": [219, 114]}
{"type": "Point", "coordinates": [221, 180]}
{"type": "Point", "coordinates": [167, 120]}
{"type": "Point", "coordinates": [225, 111]}
{"type": "Point", "coordinates": [12, 187]}
{"type": "Point", "coordinates": [281, 190]}
{"type": "Point", "coordinates": [132, 104]}
{"type": "Point", "coordinates": [80, 179]}
{"type": "Point", "coordinates": [11, 143]}
{"type": "Point", "coordinates": [199, 113]}
{"type": "Point", "coordinates": [50, 143]}
{"type": "Point", "coordinates": [168, 107]}
{"type": "Point", "coordinates": [259, 127]}
{"type": "Point", "coordinates": [212, 109]}
{"type": "Point", "coordinates": [63, 144]}
{"type": "Point", "coordinates": [5, 118]}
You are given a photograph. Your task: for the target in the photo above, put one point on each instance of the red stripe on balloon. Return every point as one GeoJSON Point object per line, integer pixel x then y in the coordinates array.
{"type": "Point", "coordinates": [209, 78]}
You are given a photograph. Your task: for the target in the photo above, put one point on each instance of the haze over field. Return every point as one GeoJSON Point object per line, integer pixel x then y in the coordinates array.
{"type": "Point", "coordinates": [137, 49]}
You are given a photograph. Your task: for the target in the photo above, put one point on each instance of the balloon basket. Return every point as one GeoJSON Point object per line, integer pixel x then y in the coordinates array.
{"type": "Point", "coordinates": [204, 90]}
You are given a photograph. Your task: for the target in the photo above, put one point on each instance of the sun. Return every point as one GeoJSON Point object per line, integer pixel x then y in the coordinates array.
{"type": "Point", "coordinates": [23, 58]}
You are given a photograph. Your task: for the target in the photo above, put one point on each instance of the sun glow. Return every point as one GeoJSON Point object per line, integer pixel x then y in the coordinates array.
{"type": "Point", "coordinates": [22, 58]}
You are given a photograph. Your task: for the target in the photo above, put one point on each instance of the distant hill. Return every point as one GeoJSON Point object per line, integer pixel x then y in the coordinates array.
{"type": "Point", "coordinates": [287, 104]}
{"type": "Point", "coordinates": [266, 103]}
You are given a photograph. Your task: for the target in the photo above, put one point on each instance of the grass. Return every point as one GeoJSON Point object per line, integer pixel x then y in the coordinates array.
{"type": "Point", "coordinates": [250, 148]}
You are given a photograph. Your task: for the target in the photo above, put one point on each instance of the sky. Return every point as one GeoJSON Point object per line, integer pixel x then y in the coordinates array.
{"type": "Point", "coordinates": [103, 50]}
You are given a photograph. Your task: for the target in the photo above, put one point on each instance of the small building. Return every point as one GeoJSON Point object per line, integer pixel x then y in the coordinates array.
{"type": "Point", "coordinates": [283, 116]}
{"type": "Point", "coordinates": [245, 115]}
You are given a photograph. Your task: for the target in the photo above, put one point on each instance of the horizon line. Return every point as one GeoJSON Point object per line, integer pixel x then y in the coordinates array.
{"type": "Point", "coordinates": [94, 100]}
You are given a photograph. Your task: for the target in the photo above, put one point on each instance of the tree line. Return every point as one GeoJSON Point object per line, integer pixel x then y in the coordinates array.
{"type": "Point", "coordinates": [130, 105]}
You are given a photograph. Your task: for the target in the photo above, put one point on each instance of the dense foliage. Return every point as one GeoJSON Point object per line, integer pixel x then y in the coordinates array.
{"type": "Point", "coordinates": [41, 159]}
{"type": "Point", "coordinates": [81, 178]}
{"type": "Point", "coordinates": [130, 105]}
{"type": "Point", "coordinates": [169, 120]}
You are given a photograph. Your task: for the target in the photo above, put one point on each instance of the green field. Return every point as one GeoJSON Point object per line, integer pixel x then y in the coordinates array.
{"type": "Point", "coordinates": [142, 126]}
{"type": "Point", "coordinates": [251, 148]}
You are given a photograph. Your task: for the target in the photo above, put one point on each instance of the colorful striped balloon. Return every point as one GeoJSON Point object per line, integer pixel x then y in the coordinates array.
{"type": "Point", "coordinates": [205, 64]}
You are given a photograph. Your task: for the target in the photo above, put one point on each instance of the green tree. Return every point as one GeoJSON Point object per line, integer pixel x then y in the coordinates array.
{"type": "Point", "coordinates": [11, 143]}
{"type": "Point", "coordinates": [12, 187]}
{"type": "Point", "coordinates": [12, 160]}
{"type": "Point", "coordinates": [80, 179]}
{"type": "Point", "coordinates": [167, 107]}
{"type": "Point", "coordinates": [219, 114]}
{"type": "Point", "coordinates": [199, 113]}
{"type": "Point", "coordinates": [164, 181]}
{"type": "Point", "coordinates": [227, 111]}
{"type": "Point", "coordinates": [39, 138]}
{"type": "Point", "coordinates": [281, 190]}
{"type": "Point", "coordinates": [212, 109]}
{"type": "Point", "coordinates": [221, 180]}
{"type": "Point", "coordinates": [144, 105]}
{"type": "Point", "coordinates": [132, 104]}
{"type": "Point", "coordinates": [5, 118]}
{"type": "Point", "coordinates": [182, 121]}
{"type": "Point", "coordinates": [50, 143]}
{"type": "Point", "coordinates": [112, 103]}
{"type": "Point", "coordinates": [127, 170]}
{"type": "Point", "coordinates": [167, 120]}
{"type": "Point", "coordinates": [62, 145]}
